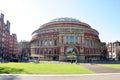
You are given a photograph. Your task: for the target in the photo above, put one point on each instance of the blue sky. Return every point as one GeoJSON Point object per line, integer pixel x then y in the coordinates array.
{"type": "Point", "coordinates": [28, 15]}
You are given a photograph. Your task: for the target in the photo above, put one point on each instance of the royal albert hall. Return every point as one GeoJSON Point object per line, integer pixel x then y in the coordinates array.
{"type": "Point", "coordinates": [65, 39]}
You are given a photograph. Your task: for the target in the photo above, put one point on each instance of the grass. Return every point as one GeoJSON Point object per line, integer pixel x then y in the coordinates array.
{"type": "Point", "coordinates": [32, 68]}
{"type": "Point", "coordinates": [117, 66]}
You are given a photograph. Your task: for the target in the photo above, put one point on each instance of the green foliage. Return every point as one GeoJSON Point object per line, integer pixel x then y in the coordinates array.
{"type": "Point", "coordinates": [32, 68]}
{"type": "Point", "coordinates": [8, 70]}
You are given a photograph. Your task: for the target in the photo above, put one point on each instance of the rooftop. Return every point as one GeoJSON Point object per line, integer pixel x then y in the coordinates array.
{"type": "Point", "coordinates": [64, 19]}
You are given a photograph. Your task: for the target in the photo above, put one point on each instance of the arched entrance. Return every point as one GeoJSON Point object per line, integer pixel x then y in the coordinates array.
{"type": "Point", "coordinates": [71, 54]}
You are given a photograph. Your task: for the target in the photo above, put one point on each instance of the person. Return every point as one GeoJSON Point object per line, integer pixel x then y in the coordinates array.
{"type": "Point", "coordinates": [76, 61]}
{"type": "Point", "coordinates": [36, 60]}
{"type": "Point", "coordinates": [71, 61]}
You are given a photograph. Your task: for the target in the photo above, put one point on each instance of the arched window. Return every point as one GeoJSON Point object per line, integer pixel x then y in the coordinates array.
{"type": "Point", "coordinates": [71, 50]}
{"type": "Point", "coordinates": [71, 53]}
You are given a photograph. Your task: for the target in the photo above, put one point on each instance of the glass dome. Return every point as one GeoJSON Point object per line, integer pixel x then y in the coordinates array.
{"type": "Point", "coordinates": [64, 19]}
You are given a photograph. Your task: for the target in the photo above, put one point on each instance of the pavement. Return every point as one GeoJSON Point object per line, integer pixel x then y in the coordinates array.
{"type": "Point", "coordinates": [100, 69]}
{"type": "Point", "coordinates": [103, 76]}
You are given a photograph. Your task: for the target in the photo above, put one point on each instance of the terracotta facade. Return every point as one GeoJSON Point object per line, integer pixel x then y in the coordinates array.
{"type": "Point", "coordinates": [65, 39]}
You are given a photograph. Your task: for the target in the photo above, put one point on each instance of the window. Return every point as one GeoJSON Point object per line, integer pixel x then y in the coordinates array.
{"type": "Point", "coordinates": [45, 43]}
{"type": "Point", "coordinates": [55, 42]}
{"type": "Point", "coordinates": [91, 43]}
{"type": "Point", "coordinates": [87, 41]}
{"type": "Point", "coordinates": [45, 51]}
{"type": "Point", "coordinates": [76, 38]}
{"type": "Point", "coordinates": [50, 42]}
{"type": "Point", "coordinates": [41, 43]}
{"type": "Point", "coordinates": [37, 43]}
{"type": "Point", "coordinates": [50, 51]}
{"type": "Point", "coordinates": [71, 50]}
{"type": "Point", "coordinates": [40, 51]}
{"type": "Point", "coordinates": [71, 39]}
{"type": "Point", "coordinates": [36, 50]}
{"type": "Point", "coordinates": [55, 51]}
{"type": "Point", "coordinates": [67, 39]}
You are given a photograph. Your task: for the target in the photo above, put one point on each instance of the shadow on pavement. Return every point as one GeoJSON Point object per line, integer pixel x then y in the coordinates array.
{"type": "Point", "coordinates": [9, 77]}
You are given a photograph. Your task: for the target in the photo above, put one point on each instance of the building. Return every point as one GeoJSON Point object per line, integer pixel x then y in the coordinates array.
{"type": "Point", "coordinates": [104, 55]}
{"type": "Point", "coordinates": [24, 49]}
{"type": "Point", "coordinates": [66, 39]}
{"type": "Point", "coordinates": [13, 48]}
{"type": "Point", "coordinates": [113, 50]}
{"type": "Point", "coordinates": [5, 39]}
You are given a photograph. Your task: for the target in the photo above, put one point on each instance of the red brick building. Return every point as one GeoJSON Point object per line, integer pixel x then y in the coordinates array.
{"type": "Point", "coordinates": [5, 39]}
{"type": "Point", "coordinates": [66, 39]}
{"type": "Point", "coordinates": [13, 47]}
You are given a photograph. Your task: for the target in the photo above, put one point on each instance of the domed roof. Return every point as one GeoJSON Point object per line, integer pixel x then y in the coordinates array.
{"type": "Point", "coordinates": [65, 19]}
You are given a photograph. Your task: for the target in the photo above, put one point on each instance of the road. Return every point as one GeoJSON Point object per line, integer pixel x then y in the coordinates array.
{"type": "Point", "coordinates": [100, 76]}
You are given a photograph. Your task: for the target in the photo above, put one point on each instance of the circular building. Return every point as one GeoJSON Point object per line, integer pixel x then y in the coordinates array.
{"type": "Point", "coordinates": [65, 39]}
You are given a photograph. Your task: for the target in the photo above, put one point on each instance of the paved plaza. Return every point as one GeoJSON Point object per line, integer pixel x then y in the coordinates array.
{"type": "Point", "coordinates": [100, 69]}
{"type": "Point", "coordinates": [103, 76]}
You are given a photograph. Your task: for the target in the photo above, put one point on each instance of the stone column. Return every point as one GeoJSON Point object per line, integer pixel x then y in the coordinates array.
{"type": "Point", "coordinates": [61, 55]}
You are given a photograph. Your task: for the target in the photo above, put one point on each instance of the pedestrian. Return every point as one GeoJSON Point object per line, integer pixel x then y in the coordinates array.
{"type": "Point", "coordinates": [76, 61]}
